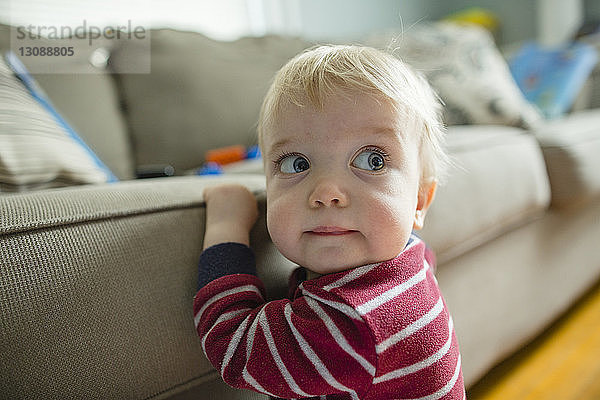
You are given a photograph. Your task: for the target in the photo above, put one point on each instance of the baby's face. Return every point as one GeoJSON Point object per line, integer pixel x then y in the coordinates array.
{"type": "Point", "coordinates": [342, 183]}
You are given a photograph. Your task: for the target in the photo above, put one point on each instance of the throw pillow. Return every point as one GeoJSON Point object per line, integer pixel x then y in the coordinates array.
{"type": "Point", "coordinates": [467, 70]}
{"type": "Point", "coordinates": [38, 149]}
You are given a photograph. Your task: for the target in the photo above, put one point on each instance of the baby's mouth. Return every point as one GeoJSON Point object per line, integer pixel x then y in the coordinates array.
{"type": "Point", "coordinates": [331, 231]}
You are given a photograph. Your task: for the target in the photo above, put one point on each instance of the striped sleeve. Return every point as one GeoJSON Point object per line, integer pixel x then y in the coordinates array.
{"type": "Point", "coordinates": [287, 349]}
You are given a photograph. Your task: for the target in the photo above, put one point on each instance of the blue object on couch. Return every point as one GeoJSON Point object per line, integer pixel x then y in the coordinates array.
{"type": "Point", "coordinates": [551, 78]}
{"type": "Point", "coordinates": [210, 168]}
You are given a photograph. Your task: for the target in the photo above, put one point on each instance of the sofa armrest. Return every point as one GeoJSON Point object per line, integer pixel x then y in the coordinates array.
{"type": "Point", "coordinates": [96, 288]}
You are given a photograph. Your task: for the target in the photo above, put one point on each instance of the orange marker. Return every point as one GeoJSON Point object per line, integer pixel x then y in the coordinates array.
{"type": "Point", "coordinates": [226, 155]}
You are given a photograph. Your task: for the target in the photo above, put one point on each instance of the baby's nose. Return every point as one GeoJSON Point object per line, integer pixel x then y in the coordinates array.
{"type": "Point", "coordinates": [328, 194]}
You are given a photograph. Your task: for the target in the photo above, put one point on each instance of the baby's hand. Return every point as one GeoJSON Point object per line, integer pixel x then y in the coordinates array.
{"type": "Point", "coordinates": [231, 211]}
{"type": "Point", "coordinates": [231, 204]}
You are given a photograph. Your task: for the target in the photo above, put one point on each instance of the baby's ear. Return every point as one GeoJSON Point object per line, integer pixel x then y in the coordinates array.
{"type": "Point", "coordinates": [425, 197]}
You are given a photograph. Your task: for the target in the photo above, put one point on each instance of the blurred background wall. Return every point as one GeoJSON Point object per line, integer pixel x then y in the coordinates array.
{"type": "Point", "coordinates": [546, 20]}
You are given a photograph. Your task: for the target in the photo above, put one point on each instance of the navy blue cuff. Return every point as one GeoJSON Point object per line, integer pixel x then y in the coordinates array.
{"type": "Point", "coordinates": [225, 259]}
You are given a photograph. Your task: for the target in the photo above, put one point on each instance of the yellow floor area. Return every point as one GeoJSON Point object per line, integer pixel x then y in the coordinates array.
{"type": "Point", "coordinates": [563, 364]}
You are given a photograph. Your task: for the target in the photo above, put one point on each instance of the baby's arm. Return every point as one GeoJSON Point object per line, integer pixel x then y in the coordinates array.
{"type": "Point", "coordinates": [231, 211]}
{"type": "Point", "coordinates": [284, 349]}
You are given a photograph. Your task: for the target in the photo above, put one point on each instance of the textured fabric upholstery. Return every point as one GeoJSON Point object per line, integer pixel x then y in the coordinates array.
{"type": "Point", "coordinates": [571, 147]}
{"type": "Point", "coordinates": [91, 106]}
{"type": "Point", "coordinates": [519, 283]}
{"type": "Point", "coordinates": [97, 286]}
{"type": "Point", "coordinates": [498, 182]}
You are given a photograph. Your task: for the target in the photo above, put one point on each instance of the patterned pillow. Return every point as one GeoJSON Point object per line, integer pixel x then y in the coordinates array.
{"type": "Point", "coordinates": [38, 149]}
{"type": "Point", "coordinates": [468, 72]}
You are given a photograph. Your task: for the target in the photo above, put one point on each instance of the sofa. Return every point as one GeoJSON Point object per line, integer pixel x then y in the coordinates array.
{"type": "Point", "coordinates": [97, 280]}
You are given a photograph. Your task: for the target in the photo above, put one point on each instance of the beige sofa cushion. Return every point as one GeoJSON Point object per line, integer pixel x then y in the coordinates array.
{"type": "Point", "coordinates": [571, 147]}
{"type": "Point", "coordinates": [506, 292]}
{"type": "Point", "coordinates": [200, 94]}
{"type": "Point", "coordinates": [499, 182]}
{"type": "Point", "coordinates": [91, 105]}
{"type": "Point", "coordinates": [96, 288]}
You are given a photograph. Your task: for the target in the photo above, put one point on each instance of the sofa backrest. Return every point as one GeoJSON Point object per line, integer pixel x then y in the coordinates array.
{"type": "Point", "coordinates": [201, 93]}
{"type": "Point", "coordinates": [97, 287]}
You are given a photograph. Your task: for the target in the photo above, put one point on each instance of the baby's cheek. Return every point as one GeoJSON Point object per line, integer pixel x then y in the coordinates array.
{"type": "Point", "coordinates": [273, 221]}
{"type": "Point", "coordinates": [393, 225]}
{"type": "Point", "coordinates": [279, 222]}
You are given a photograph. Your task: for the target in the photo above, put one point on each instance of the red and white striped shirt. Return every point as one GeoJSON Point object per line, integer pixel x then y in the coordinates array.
{"type": "Point", "coordinates": [379, 331]}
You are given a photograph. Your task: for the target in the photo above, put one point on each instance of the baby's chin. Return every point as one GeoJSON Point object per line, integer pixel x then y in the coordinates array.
{"type": "Point", "coordinates": [333, 259]}
{"type": "Point", "coordinates": [320, 266]}
{"type": "Point", "coordinates": [324, 268]}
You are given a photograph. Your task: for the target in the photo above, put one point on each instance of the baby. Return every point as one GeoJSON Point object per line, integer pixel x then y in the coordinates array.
{"type": "Point", "coordinates": [352, 147]}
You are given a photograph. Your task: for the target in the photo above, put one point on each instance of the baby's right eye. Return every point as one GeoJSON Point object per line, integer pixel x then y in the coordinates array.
{"type": "Point", "coordinates": [293, 164]}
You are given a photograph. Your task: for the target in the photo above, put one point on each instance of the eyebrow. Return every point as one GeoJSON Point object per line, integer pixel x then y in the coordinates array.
{"type": "Point", "coordinates": [380, 130]}
{"type": "Point", "coordinates": [373, 130]}
{"type": "Point", "coordinates": [386, 132]}
{"type": "Point", "coordinates": [280, 144]}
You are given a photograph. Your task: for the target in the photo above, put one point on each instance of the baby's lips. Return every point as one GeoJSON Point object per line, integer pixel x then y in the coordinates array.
{"type": "Point", "coordinates": [331, 230]}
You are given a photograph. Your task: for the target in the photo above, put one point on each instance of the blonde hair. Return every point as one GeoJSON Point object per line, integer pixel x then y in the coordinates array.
{"type": "Point", "coordinates": [321, 71]}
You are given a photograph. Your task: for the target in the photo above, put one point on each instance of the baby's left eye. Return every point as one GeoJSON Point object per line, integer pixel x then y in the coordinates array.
{"type": "Point", "coordinates": [369, 160]}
